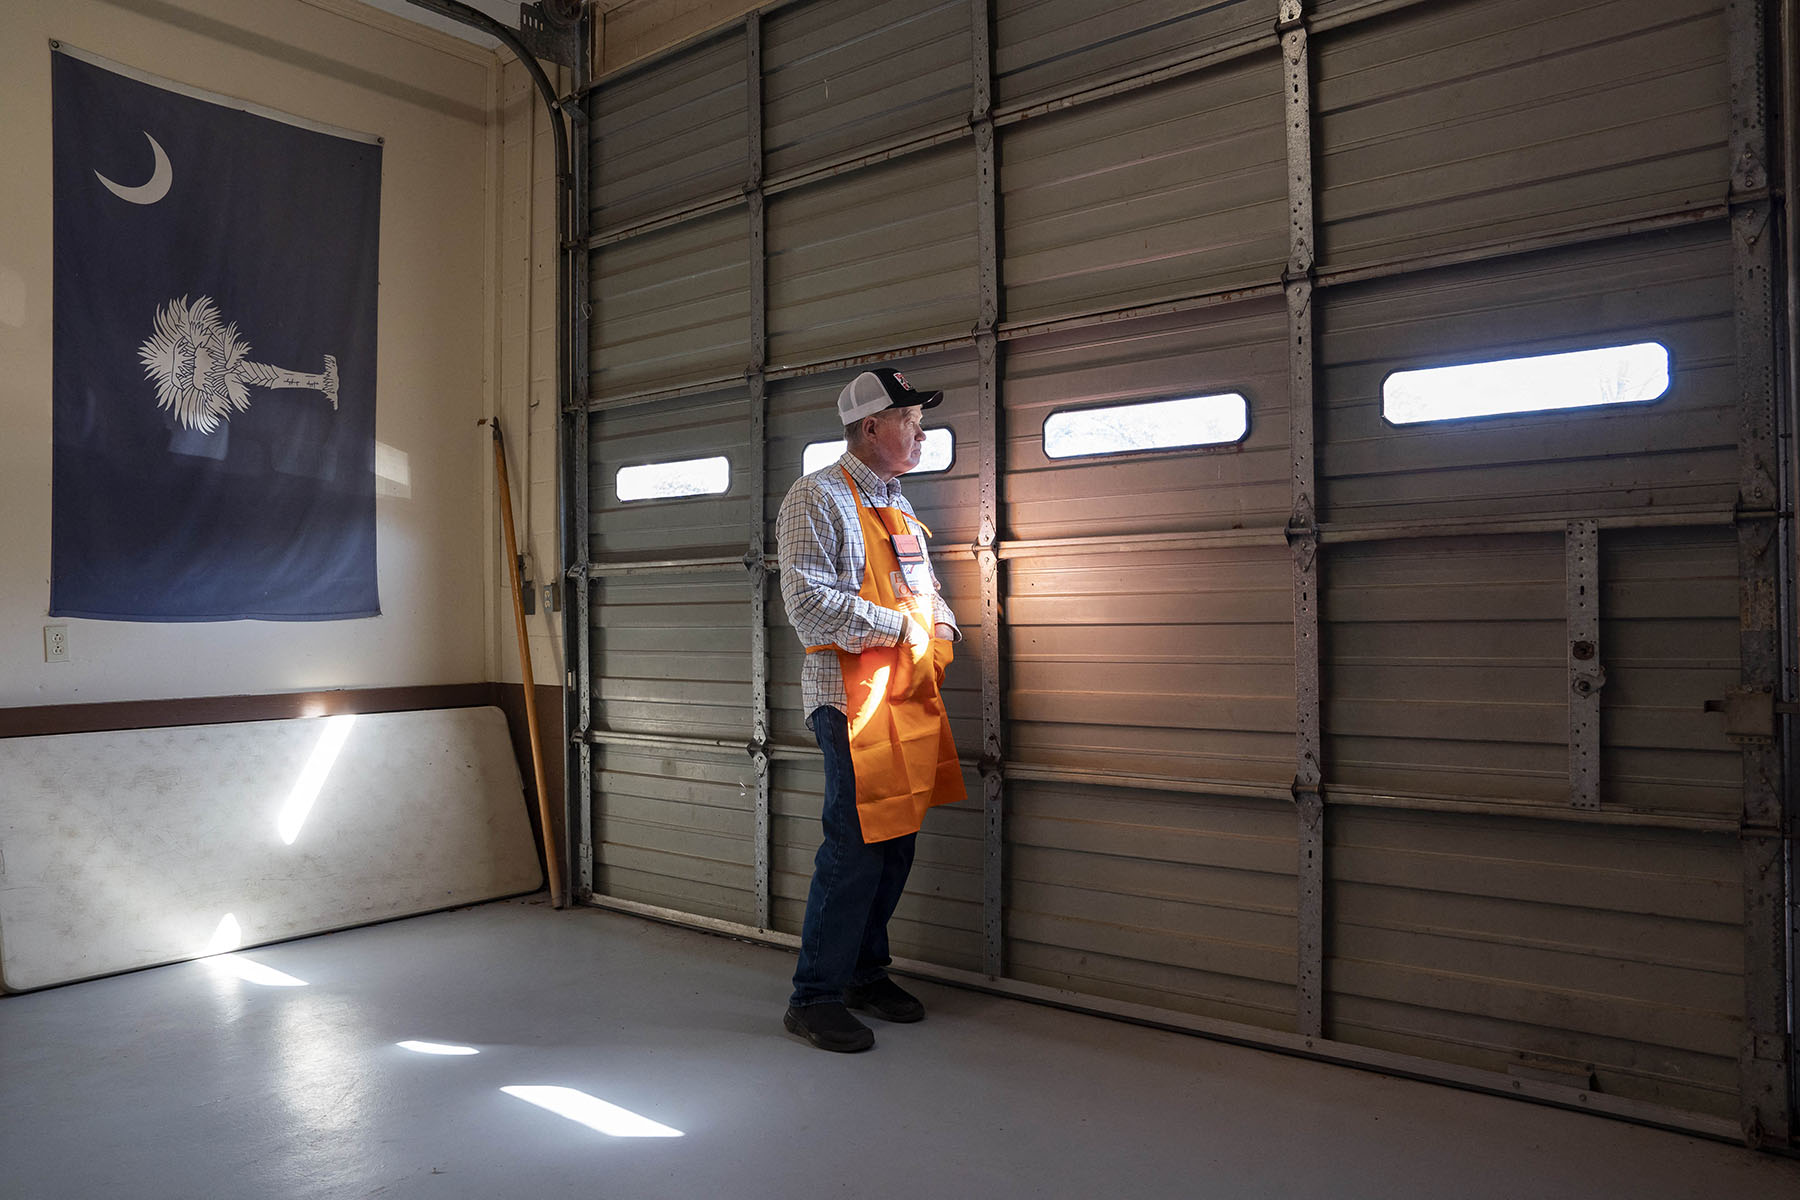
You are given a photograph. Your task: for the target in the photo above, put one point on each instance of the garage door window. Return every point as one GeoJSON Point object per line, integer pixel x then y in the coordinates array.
{"type": "Point", "coordinates": [940, 449]}
{"type": "Point", "coordinates": [1154, 425]}
{"type": "Point", "coordinates": [671, 480]}
{"type": "Point", "coordinates": [1634, 374]}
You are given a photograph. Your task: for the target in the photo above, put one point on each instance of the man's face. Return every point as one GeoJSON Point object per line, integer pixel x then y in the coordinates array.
{"type": "Point", "coordinates": [897, 439]}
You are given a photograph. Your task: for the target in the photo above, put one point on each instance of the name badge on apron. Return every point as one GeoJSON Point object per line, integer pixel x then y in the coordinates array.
{"type": "Point", "coordinates": [914, 576]}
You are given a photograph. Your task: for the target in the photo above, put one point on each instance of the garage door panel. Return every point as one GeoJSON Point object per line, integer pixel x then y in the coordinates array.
{"type": "Point", "coordinates": [1107, 648]}
{"type": "Point", "coordinates": [1670, 641]}
{"type": "Point", "coordinates": [1698, 946]}
{"type": "Point", "coordinates": [671, 307]}
{"type": "Point", "coordinates": [672, 655]}
{"type": "Point", "coordinates": [1437, 121]}
{"type": "Point", "coordinates": [1138, 890]}
{"type": "Point", "coordinates": [883, 258]}
{"type": "Point", "coordinates": [841, 76]}
{"type": "Point", "coordinates": [1262, 758]}
{"type": "Point", "coordinates": [1046, 47]}
{"type": "Point", "coordinates": [1595, 944]}
{"type": "Point", "coordinates": [673, 132]}
{"type": "Point", "coordinates": [1165, 192]}
{"type": "Point", "coordinates": [1133, 824]}
{"type": "Point", "coordinates": [672, 829]}
{"type": "Point", "coordinates": [1269, 1005]}
{"type": "Point", "coordinates": [1484, 717]}
{"type": "Point", "coordinates": [667, 883]}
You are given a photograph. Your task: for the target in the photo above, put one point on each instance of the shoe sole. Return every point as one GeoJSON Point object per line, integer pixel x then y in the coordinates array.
{"type": "Point", "coordinates": [906, 1018]}
{"type": "Point", "coordinates": [795, 1027]}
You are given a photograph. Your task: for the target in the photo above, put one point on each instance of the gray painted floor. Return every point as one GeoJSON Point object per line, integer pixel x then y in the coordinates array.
{"type": "Point", "coordinates": [189, 1081]}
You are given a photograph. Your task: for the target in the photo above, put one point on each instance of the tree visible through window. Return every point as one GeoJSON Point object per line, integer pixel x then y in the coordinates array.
{"type": "Point", "coordinates": [1152, 425]}
{"type": "Point", "coordinates": [671, 480]}
{"type": "Point", "coordinates": [1635, 374]}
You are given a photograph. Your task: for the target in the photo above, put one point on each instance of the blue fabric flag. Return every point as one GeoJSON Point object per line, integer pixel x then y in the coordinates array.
{"type": "Point", "coordinates": [214, 360]}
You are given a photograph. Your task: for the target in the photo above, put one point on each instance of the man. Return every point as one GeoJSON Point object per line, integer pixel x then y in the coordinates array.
{"type": "Point", "coordinates": [862, 596]}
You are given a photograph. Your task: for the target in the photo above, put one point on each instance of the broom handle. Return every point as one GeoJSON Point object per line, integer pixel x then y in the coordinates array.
{"type": "Point", "coordinates": [552, 865]}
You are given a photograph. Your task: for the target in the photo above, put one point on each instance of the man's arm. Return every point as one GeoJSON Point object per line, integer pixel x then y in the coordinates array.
{"type": "Point", "coordinates": [811, 537]}
{"type": "Point", "coordinates": [945, 621]}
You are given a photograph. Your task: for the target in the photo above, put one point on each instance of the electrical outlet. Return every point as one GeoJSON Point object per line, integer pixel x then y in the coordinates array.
{"type": "Point", "coordinates": [56, 643]}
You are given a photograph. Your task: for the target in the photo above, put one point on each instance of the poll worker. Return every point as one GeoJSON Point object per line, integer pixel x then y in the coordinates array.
{"type": "Point", "coordinates": [861, 594]}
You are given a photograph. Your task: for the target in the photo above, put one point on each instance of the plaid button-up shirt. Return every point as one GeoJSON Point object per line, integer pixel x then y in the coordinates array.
{"type": "Point", "coordinates": [822, 556]}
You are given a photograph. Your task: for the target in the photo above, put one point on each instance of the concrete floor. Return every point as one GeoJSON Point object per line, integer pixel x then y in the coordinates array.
{"type": "Point", "coordinates": [191, 1081]}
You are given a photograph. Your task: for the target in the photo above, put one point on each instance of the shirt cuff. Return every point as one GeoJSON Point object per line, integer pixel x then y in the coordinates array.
{"type": "Point", "coordinates": [888, 624]}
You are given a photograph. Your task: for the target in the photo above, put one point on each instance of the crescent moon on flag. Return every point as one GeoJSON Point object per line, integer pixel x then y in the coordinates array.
{"type": "Point", "coordinates": [148, 193]}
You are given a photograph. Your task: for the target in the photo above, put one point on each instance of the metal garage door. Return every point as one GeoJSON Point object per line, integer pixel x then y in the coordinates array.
{"type": "Point", "coordinates": [1383, 741]}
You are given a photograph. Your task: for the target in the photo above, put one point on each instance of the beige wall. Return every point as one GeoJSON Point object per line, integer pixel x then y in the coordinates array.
{"type": "Point", "coordinates": [524, 317]}
{"type": "Point", "coordinates": [434, 101]}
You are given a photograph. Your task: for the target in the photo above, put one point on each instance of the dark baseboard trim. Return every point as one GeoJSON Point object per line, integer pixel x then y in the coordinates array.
{"type": "Point", "coordinates": [43, 719]}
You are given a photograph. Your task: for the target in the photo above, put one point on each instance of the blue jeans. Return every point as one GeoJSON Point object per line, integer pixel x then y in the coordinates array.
{"type": "Point", "coordinates": [855, 884]}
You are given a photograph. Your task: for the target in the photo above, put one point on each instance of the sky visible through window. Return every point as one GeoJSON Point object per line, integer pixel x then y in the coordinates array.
{"type": "Point", "coordinates": [1632, 374]}
{"type": "Point", "coordinates": [939, 445]}
{"type": "Point", "coordinates": [671, 480]}
{"type": "Point", "coordinates": [1156, 425]}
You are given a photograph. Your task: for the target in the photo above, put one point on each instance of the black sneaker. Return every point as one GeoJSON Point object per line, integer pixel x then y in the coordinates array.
{"type": "Point", "coordinates": [887, 1000]}
{"type": "Point", "coordinates": [829, 1026]}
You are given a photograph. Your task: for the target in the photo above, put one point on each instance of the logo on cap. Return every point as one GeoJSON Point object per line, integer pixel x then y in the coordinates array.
{"type": "Point", "coordinates": [901, 380]}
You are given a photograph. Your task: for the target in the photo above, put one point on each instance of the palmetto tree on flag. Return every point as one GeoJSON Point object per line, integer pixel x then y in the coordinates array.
{"type": "Point", "coordinates": [202, 370]}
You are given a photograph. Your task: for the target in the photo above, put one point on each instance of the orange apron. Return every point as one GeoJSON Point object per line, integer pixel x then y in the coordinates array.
{"type": "Point", "coordinates": [900, 742]}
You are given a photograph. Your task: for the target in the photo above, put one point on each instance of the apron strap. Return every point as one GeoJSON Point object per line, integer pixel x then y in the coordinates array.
{"type": "Point", "coordinates": [856, 494]}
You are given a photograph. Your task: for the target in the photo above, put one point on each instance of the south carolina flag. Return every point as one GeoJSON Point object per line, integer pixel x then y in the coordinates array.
{"type": "Point", "coordinates": [214, 360]}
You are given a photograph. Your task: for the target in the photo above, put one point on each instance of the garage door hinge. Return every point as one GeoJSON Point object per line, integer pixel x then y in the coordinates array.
{"type": "Point", "coordinates": [1310, 801]}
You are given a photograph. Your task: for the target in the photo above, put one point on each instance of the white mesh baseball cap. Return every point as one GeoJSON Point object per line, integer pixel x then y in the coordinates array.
{"type": "Point", "coordinates": [882, 388]}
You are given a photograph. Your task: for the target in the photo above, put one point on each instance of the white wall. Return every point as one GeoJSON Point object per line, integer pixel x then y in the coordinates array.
{"type": "Point", "coordinates": [434, 100]}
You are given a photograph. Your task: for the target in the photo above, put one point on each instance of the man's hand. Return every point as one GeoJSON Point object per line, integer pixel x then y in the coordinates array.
{"type": "Point", "coordinates": [944, 631]}
{"type": "Point", "coordinates": [913, 634]}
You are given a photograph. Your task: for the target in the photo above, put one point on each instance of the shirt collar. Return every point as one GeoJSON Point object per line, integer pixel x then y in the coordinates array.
{"type": "Point", "coordinates": [882, 493]}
